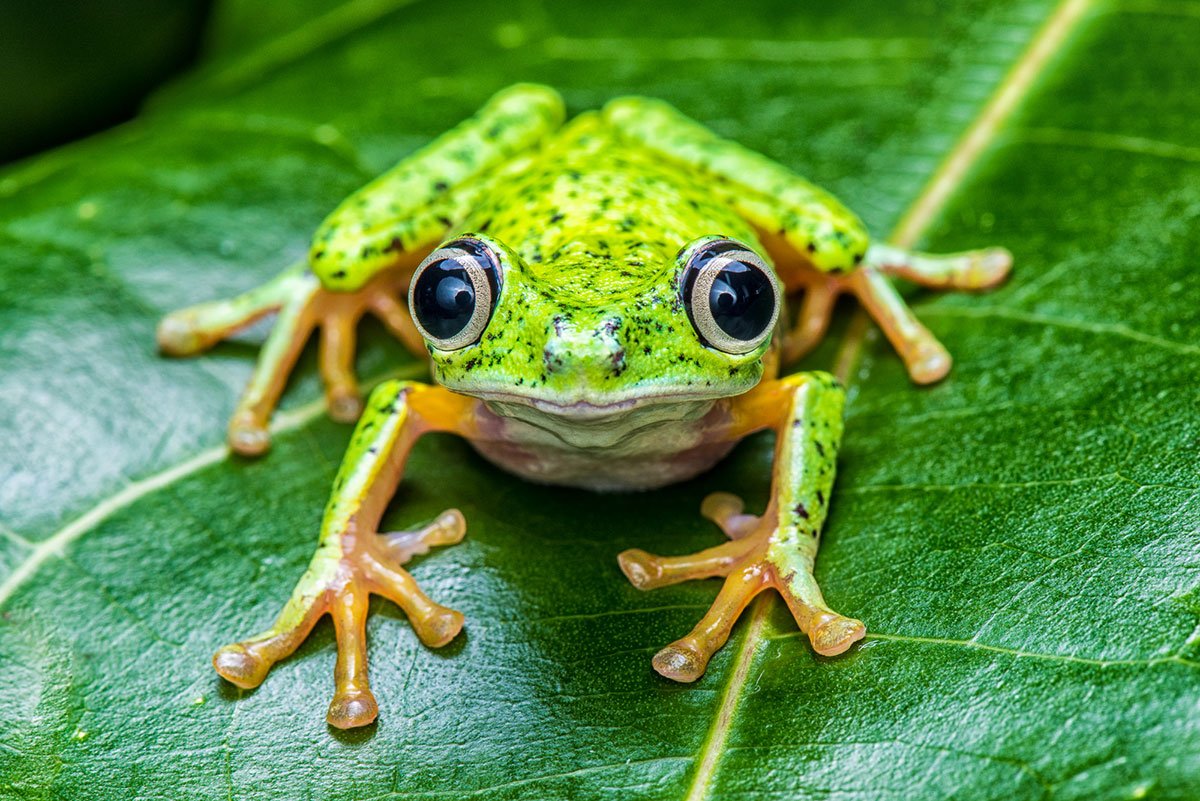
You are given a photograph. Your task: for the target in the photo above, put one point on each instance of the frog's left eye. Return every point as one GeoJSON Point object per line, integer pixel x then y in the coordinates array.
{"type": "Point", "coordinates": [453, 293]}
{"type": "Point", "coordinates": [732, 296]}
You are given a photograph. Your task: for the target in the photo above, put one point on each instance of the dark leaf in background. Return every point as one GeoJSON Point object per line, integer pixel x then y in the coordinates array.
{"type": "Point", "coordinates": [70, 68]}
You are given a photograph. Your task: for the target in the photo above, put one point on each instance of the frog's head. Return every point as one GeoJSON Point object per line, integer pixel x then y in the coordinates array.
{"type": "Point", "coordinates": [584, 335]}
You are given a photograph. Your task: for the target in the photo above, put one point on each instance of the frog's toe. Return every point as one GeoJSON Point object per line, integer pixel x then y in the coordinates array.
{"type": "Point", "coordinates": [336, 360]}
{"type": "Point", "coordinates": [929, 362]}
{"type": "Point", "coordinates": [647, 571]}
{"type": "Point", "coordinates": [641, 568]}
{"type": "Point", "coordinates": [727, 511]}
{"type": "Point", "coordinates": [439, 626]}
{"type": "Point", "coordinates": [433, 623]}
{"type": "Point", "coordinates": [991, 266]}
{"type": "Point", "coordinates": [248, 435]}
{"type": "Point", "coordinates": [752, 560]}
{"type": "Point", "coordinates": [239, 666]}
{"type": "Point", "coordinates": [448, 529]}
{"type": "Point", "coordinates": [352, 709]}
{"type": "Point", "coordinates": [179, 335]}
{"type": "Point", "coordinates": [833, 634]}
{"type": "Point", "coordinates": [681, 661]}
{"type": "Point", "coordinates": [345, 406]}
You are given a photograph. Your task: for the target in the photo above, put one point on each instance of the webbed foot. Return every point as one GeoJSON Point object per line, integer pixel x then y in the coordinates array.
{"type": "Point", "coordinates": [758, 556]}
{"type": "Point", "coordinates": [302, 305]}
{"type": "Point", "coordinates": [344, 572]}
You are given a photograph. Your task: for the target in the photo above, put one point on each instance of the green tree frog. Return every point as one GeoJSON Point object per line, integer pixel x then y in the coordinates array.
{"type": "Point", "coordinates": [602, 304]}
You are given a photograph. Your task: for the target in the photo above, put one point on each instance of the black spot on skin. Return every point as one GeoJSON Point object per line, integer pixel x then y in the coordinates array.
{"type": "Point", "coordinates": [800, 511]}
{"type": "Point", "coordinates": [820, 497]}
{"type": "Point", "coordinates": [440, 186]}
{"type": "Point", "coordinates": [820, 448]}
{"type": "Point", "coordinates": [556, 218]}
{"type": "Point", "coordinates": [812, 247]}
{"type": "Point", "coordinates": [339, 274]}
{"type": "Point", "coordinates": [858, 257]}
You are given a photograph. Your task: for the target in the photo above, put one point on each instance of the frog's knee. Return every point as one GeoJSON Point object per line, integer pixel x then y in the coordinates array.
{"type": "Point", "coordinates": [622, 110]}
{"type": "Point", "coordinates": [523, 99]}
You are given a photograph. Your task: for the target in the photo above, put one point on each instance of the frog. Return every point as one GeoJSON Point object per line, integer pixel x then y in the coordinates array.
{"type": "Point", "coordinates": [603, 303]}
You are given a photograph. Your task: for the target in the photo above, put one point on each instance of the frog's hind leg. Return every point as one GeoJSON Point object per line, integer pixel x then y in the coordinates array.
{"type": "Point", "coordinates": [776, 550]}
{"type": "Point", "coordinates": [303, 306]}
{"type": "Point", "coordinates": [925, 357]}
{"type": "Point", "coordinates": [193, 330]}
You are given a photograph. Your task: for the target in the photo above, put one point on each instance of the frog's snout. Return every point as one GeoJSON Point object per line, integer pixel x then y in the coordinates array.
{"type": "Point", "coordinates": [592, 348]}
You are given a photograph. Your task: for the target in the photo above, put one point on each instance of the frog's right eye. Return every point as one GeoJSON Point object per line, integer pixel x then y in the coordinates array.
{"type": "Point", "coordinates": [453, 292]}
{"type": "Point", "coordinates": [731, 295]}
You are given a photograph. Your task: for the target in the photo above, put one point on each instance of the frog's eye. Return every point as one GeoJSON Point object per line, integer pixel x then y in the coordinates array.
{"type": "Point", "coordinates": [731, 295]}
{"type": "Point", "coordinates": [453, 292]}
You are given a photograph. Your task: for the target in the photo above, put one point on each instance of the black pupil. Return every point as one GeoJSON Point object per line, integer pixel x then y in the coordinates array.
{"type": "Point", "coordinates": [444, 299]}
{"type": "Point", "coordinates": [742, 301]}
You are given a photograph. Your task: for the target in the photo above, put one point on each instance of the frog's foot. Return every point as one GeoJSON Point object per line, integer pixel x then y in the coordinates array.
{"type": "Point", "coordinates": [754, 559]}
{"type": "Point", "coordinates": [342, 576]}
{"type": "Point", "coordinates": [924, 357]}
{"type": "Point", "coordinates": [303, 305]}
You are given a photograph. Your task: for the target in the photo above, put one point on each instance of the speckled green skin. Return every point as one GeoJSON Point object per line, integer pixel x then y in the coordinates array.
{"type": "Point", "coordinates": [591, 236]}
{"type": "Point", "coordinates": [593, 222]}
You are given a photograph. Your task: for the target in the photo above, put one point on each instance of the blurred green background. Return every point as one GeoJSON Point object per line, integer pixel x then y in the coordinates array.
{"type": "Point", "coordinates": [68, 69]}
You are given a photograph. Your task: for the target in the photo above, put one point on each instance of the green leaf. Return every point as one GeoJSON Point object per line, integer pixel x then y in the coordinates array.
{"type": "Point", "coordinates": [1020, 539]}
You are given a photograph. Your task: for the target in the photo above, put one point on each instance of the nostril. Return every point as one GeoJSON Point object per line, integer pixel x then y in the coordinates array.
{"type": "Point", "coordinates": [618, 361]}
{"type": "Point", "coordinates": [552, 359]}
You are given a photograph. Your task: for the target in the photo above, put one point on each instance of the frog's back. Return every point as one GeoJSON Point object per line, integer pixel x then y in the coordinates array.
{"type": "Point", "coordinates": [593, 215]}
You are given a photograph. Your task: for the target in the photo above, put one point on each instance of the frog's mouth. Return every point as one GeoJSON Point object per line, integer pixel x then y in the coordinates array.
{"type": "Point", "coordinates": [586, 425]}
{"type": "Point", "coordinates": [667, 405]}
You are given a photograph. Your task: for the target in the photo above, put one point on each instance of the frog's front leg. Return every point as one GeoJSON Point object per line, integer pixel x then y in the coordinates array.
{"type": "Point", "coordinates": [818, 245]}
{"type": "Point", "coordinates": [775, 550]}
{"type": "Point", "coordinates": [354, 560]}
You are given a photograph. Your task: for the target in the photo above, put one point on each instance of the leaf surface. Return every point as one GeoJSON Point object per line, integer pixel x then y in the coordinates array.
{"type": "Point", "coordinates": [1020, 539]}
